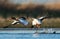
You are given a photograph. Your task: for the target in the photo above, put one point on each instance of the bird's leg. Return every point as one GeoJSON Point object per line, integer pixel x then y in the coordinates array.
{"type": "Point", "coordinates": [38, 25]}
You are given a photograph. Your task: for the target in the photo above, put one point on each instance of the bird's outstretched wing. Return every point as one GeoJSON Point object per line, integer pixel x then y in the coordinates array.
{"type": "Point", "coordinates": [23, 21]}
{"type": "Point", "coordinates": [15, 22]}
{"type": "Point", "coordinates": [41, 18]}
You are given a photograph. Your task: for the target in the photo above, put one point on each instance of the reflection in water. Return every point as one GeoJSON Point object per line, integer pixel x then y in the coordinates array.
{"type": "Point", "coordinates": [28, 36]}
{"type": "Point", "coordinates": [35, 35]}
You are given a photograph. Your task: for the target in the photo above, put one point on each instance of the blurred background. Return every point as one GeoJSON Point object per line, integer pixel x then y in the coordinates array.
{"type": "Point", "coordinates": [30, 8]}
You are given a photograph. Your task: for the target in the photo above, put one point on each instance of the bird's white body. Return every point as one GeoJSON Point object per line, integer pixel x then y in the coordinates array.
{"type": "Point", "coordinates": [36, 21]}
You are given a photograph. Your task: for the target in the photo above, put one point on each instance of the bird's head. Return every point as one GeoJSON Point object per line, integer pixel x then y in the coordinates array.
{"type": "Point", "coordinates": [13, 18]}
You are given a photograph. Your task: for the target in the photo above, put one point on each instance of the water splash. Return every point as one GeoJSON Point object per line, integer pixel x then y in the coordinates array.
{"type": "Point", "coordinates": [36, 34]}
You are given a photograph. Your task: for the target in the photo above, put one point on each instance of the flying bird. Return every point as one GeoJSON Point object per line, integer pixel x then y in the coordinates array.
{"type": "Point", "coordinates": [21, 20]}
{"type": "Point", "coordinates": [37, 21]}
